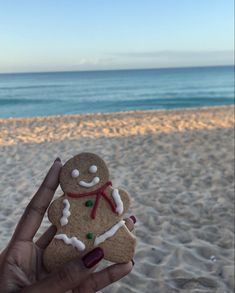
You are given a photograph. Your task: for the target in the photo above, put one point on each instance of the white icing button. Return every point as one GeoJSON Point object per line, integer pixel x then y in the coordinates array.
{"type": "Point", "coordinates": [93, 169]}
{"type": "Point", "coordinates": [75, 173]}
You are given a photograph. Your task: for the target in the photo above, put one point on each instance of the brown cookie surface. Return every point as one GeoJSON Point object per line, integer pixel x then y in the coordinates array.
{"type": "Point", "coordinates": [89, 214]}
{"type": "Point", "coordinates": [83, 173]}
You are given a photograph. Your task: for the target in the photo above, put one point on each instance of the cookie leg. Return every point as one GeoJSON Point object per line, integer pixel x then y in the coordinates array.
{"type": "Point", "coordinates": [119, 248]}
{"type": "Point", "coordinates": [58, 253]}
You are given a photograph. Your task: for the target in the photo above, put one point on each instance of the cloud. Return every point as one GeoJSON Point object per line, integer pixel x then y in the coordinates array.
{"type": "Point", "coordinates": [94, 61]}
{"type": "Point", "coordinates": [177, 54]}
{"type": "Point", "coordinates": [120, 60]}
{"type": "Point", "coordinates": [168, 58]}
{"type": "Point", "coordinates": [88, 61]}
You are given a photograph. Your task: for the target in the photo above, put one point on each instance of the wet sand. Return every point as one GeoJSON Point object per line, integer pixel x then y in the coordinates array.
{"type": "Point", "coordinates": [176, 164]}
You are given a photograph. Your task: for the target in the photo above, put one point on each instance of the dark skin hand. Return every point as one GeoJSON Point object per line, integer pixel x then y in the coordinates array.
{"type": "Point", "coordinates": [21, 267]}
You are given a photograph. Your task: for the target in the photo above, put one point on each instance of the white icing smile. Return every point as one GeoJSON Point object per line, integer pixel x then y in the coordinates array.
{"type": "Point", "coordinates": [92, 183]}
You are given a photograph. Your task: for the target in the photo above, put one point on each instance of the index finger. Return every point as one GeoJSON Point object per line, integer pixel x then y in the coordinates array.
{"type": "Point", "coordinates": [34, 212]}
{"type": "Point", "coordinates": [105, 277]}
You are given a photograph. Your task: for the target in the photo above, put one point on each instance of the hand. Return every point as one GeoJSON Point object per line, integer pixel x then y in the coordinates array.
{"type": "Point", "coordinates": [21, 267]}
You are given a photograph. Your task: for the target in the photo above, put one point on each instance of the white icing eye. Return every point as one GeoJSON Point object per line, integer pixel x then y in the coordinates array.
{"type": "Point", "coordinates": [93, 169]}
{"type": "Point", "coordinates": [75, 173]}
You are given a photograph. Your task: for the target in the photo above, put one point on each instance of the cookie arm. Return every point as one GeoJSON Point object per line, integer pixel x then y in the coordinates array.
{"type": "Point", "coordinates": [121, 199]}
{"type": "Point", "coordinates": [119, 248]}
{"type": "Point", "coordinates": [55, 211]}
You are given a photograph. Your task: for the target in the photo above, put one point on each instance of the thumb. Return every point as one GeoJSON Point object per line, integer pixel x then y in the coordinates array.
{"type": "Point", "coordinates": [69, 276]}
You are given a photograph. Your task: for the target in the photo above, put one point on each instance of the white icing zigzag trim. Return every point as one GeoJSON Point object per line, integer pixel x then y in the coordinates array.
{"type": "Point", "coordinates": [118, 201]}
{"type": "Point", "coordinates": [71, 241]}
{"type": "Point", "coordinates": [101, 238]}
{"type": "Point", "coordinates": [66, 213]}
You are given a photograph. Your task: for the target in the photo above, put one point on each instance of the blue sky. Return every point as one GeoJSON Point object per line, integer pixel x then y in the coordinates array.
{"type": "Point", "coordinates": [55, 35]}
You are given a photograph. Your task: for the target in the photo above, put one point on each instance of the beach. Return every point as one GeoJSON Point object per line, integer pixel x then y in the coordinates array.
{"type": "Point", "coordinates": [178, 167]}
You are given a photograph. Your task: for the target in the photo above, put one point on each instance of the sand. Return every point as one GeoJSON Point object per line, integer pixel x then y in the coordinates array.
{"type": "Point", "coordinates": [176, 164]}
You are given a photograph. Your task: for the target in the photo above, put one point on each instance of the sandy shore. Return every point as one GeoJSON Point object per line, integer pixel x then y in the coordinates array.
{"type": "Point", "coordinates": [178, 167]}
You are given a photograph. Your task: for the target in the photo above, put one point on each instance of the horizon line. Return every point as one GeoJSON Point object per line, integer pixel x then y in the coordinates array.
{"type": "Point", "coordinates": [119, 69]}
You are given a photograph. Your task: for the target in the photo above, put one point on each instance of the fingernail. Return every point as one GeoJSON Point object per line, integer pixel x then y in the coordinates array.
{"type": "Point", "coordinates": [133, 263]}
{"type": "Point", "coordinates": [57, 160]}
{"type": "Point", "coordinates": [93, 257]}
{"type": "Point", "coordinates": [133, 219]}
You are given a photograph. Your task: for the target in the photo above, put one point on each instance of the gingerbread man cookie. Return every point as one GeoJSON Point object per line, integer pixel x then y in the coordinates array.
{"type": "Point", "coordinates": [88, 214]}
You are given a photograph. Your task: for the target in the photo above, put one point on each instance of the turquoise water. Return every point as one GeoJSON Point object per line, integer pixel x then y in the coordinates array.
{"type": "Point", "coordinates": [41, 94]}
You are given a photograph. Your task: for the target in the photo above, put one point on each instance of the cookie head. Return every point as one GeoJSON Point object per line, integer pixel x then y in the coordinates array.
{"type": "Point", "coordinates": [83, 173]}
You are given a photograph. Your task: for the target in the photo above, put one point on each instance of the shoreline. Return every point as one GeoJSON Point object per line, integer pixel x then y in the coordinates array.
{"type": "Point", "coordinates": [118, 112]}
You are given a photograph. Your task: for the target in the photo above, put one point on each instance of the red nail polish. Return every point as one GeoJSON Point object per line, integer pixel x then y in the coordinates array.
{"type": "Point", "coordinates": [57, 160]}
{"type": "Point", "coordinates": [93, 257]}
{"type": "Point", "coordinates": [133, 219]}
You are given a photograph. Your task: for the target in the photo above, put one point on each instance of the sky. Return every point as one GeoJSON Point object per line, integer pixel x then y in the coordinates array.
{"type": "Point", "coordinates": [64, 35]}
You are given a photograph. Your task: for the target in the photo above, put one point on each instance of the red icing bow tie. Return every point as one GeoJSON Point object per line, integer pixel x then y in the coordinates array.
{"type": "Point", "coordinates": [100, 192]}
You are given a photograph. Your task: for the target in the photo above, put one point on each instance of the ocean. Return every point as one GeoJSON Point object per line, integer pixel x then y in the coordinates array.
{"type": "Point", "coordinates": [58, 93]}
